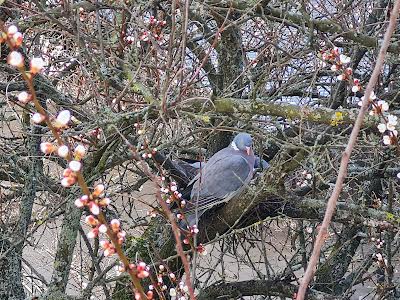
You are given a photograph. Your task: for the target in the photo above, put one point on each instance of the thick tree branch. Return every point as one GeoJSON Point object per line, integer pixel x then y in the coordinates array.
{"type": "Point", "coordinates": [237, 290]}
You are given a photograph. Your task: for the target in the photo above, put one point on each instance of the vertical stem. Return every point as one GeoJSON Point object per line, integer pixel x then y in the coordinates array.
{"type": "Point", "coordinates": [331, 206]}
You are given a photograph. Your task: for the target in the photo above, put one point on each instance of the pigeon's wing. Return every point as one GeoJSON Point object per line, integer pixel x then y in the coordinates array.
{"type": "Point", "coordinates": [222, 178]}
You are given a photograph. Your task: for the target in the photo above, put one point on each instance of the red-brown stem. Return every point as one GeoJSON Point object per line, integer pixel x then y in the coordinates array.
{"type": "Point", "coordinates": [85, 189]}
{"type": "Point", "coordinates": [81, 181]}
{"type": "Point", "coordinates": [175, 228]}
{"type": "Point", "coordinates": [331, 206]}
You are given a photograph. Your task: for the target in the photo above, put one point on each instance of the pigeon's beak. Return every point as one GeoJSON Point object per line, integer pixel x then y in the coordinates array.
{"type": "Point", "coordinates": [248, 150]}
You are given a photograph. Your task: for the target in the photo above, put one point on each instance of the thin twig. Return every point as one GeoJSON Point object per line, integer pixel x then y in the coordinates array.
{"type": "Point", "coordinates": [175, 229]}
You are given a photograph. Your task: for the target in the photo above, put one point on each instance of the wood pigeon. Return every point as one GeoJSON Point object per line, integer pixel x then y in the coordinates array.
{"type": "Point", "coordinates": [223, 177]}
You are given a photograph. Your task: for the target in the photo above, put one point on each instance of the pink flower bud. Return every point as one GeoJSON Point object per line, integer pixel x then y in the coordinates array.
{"type": "Point", "coordinates": [63, 119]}
{"type": "Point", "coordinates": [79, 203]}
{"type": "Point", "coordinates": [80, 151]}
{"type": "Point", "coordinates": [62, 151]}
{"type": "Point", "coordinates": [47, 148]}
{"type": "Point", "coordinates": [68, 173]}
{"type": "Point", "coordinates": [91, 220]}
{"type": "Point", "coordinates": [24, 97]}
{"type": "Point", "coordinates": [104, 202]}
{"type": "Point", "coordinates": [12, 30]}
{"type": "Point", "coordinates": [115, 224]}
{"type": "Point", "coordinates": [105, 244]}
{"type": "Point", "coordinates": [143, 274]}
{"type": "Point", "coordinates": [16, 59]}
{"type": "Point", "coordinates": [98, 190]}
{"type": "Point", "coordinates": [17, 39]}
{"type": "Point", "coordinates": [75, 165]}
{"type": "Point", "coordinates": [109, 251]}
{"type": "Point", "coordinates": [36, 65]}
{"type": "Point", "coordinates": [103, 228]}
{"type": "Point", "coordinates": [68, 181]}
{"type": "Point", "coordinates": [94, 208]}
{"type": "Point", "coordinates": [38, 118]}
{"type": "Point", "coordinates": [149, 295]}
{"type": "Point", "coordinates": [141, 266]}
{"type": "Point", "coordinates": [85, 199]}
{"type": "Point", "coordinates": [92, 233]}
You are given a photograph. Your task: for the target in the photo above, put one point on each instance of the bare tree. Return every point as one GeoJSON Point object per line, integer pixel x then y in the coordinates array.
{"type": "Point", "coordinates": [153, 86]}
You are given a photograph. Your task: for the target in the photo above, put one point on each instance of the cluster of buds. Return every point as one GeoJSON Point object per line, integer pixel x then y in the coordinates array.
{"type": "Point", "coordinates": [143, 270]}
{"type": "Point", "coordinates": [129, 39]}
{"type": "Point", "coordinates": [380, 107]}
{"type": "Point", "coordinates": [149, 154]}
{"type": "Point", "coordinates": [74, 165]}
{"type": "Point", "coordinates": [192, 231]}
{"type": "Point", "coordinates": [82, 14]}
{"type": "Point", "coordinates": [201, 249]}
{"type": "Point", "coordinates": [155, 30]}
{"type": "Point", "coordinates": [14, 38]}
{"type": "Point", "coordinates": [379, 243]}
{"type": "Point", "coordinates": [180, 290]}
{"type": "Point", "coordinates": [173, 293]}
{"type": "Point", "coordinates": [154, 22]}
{"type": "Point", "coordinates": [108, 247]}
{"type": "Point", "coordinates": [96, 133]}
{"type": "Point", "coordinates": [340, 63]}
{"type": "Point", "coordinates": [305, 180]}
{"type": "Point", "coordinates": [149, 295]}
{"type": "Point", "coordinates": [171, 193]}
{"type": "Point", "coordinates": [388, 127]}
{"type": "Point", "coordinates": [356, 85]}
{"type": "Point", "coordinates": [94, 202]}
{"type": "Point", "coordinates": [381, 261]}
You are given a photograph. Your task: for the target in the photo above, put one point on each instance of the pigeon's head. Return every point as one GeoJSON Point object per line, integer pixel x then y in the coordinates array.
{"type": "Point", "coordinates": [243, 142]}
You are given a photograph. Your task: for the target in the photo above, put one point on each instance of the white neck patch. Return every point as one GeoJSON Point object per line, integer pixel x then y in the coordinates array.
{"type": "Point", "coordinates": [233, 145]}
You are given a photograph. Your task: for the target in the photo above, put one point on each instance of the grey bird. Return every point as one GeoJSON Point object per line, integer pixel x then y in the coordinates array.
{"type": "Point", "coordinates": [223, 177]}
